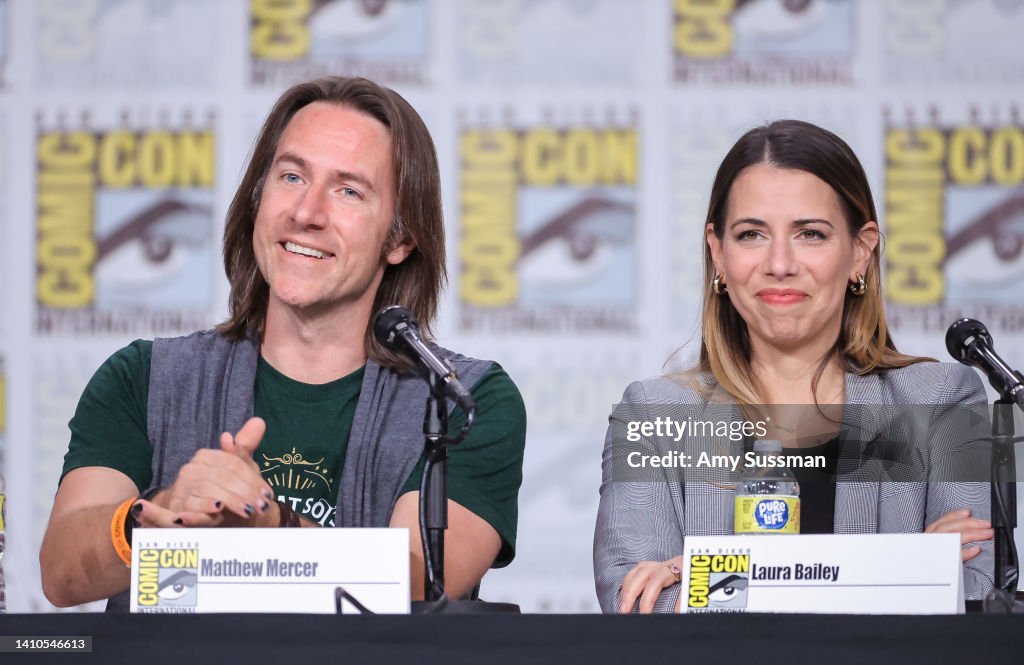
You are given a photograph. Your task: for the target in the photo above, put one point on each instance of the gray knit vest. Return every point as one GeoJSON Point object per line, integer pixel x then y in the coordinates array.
{"type": "Point", "coordinates": [203, 384]}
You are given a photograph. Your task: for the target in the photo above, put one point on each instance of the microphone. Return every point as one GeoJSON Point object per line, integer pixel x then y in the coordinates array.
{"type": "Point", "coordinates": [397, 329]}
{"type": "Point", "coordinates": [969, 342]}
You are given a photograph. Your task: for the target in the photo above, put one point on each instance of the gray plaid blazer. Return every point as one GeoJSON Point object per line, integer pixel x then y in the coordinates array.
{"type": "Point", "coordinates": [647, 521]}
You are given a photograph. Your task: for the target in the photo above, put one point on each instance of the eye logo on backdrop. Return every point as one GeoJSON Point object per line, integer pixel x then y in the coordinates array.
{"type": "Point", "coordinates": [763, 42]}
{"type": "Point", "coordinates": [548, 224]}
{"type": "Point", "coordinates": [954, 210]}
{"type": "Point", "coordinates": [124, 226]}
{"type": "Point", "coordinates": [127, 43]}
{"type": "Point", "coordinates": [295, 40]}
{"type": "Point", "coordinates": [967, 41]}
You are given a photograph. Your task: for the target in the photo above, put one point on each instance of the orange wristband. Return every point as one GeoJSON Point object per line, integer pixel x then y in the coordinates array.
{"type": "Point", "coordinates": [117, 534]}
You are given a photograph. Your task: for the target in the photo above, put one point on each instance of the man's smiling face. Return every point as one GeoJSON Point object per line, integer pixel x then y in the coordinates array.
{"type": "Point", "coordinates": [327, 207]}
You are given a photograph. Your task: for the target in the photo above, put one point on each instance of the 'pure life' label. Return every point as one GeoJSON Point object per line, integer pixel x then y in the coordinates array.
{"type": "Point", "coordinates": [759, 514]}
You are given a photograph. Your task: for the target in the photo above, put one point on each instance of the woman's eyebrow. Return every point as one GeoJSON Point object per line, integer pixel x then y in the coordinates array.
{"type": "Point", "coordinates": [753, 221]}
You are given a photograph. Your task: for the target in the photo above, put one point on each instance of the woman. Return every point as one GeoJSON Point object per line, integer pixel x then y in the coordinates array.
{"type": "Point", "coordinates": [793, 314]}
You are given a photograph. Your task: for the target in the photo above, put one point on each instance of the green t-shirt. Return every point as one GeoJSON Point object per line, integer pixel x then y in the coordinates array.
{"type": "Point", "coordinates": [303, 451]}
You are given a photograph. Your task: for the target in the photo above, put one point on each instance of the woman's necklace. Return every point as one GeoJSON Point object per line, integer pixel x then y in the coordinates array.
{"type": "Point", "coordinates": [811, 420]}
{"type": "Point", "coordinates": [782, 427]}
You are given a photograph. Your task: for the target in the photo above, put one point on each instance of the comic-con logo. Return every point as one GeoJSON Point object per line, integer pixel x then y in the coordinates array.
{"type": "Point", "coordinates": [124, 221]}
{"type": "Point", "coordinates": [718, 582]}
{"type": "Point", "coordinates": [763, 41]}
{"type": "Point", "coordinates": [548, 217]}
{"type": "Point", "coordinates": [954, 211]}
{"type": "Point", "coordinates": [168, 578]}
{"type": "Point", "coordinates": [383, 40]}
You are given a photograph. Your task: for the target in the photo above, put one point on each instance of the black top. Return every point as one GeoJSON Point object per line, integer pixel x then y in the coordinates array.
{"type": "Point", "coordinates": [817, 487]}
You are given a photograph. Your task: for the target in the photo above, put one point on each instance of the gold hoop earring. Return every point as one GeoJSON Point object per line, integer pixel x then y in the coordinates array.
{"type": "Point", "coordinates": [718, 285]}
{"type": "Point", "coordinates": [859, 287]}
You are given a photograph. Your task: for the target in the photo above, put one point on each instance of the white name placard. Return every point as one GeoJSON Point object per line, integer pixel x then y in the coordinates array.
{"type": "Point", "coordinates": [857, 574]}
{"type": "Point", "coordinates": [268, 570]}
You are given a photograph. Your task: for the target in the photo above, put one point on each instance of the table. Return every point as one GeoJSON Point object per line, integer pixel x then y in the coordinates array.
{"type": "Point", "coordinates": [624, 640]}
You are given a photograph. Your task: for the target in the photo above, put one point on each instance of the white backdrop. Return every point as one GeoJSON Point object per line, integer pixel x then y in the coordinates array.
{"type": "Point", "coordinates": [577, 139]}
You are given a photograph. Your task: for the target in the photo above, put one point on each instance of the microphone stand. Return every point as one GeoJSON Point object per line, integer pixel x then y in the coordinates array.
{"type": "Point", "coordinates": [1004, 509]}
{"type": "Point", "coordinates": [433, 504]}
{"type": "Point", "coordinates": [434, 510]}
{"type": "Point", "coordinates": [434, 497]}
{"type": "Point", "coordinates": [396, 328]}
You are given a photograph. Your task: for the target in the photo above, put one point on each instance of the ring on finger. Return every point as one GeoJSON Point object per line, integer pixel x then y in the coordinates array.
{"type": "Point", "coordinates": [676, 573]}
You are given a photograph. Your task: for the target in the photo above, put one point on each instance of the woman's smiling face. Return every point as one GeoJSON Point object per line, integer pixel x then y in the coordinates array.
{"type": "Point", "coordinates": [786, 255]}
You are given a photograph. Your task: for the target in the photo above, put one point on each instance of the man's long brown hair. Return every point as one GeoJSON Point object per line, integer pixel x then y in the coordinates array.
{"type": "Point", "coordinates": [864, 344]}
{"type": "Point", "coordinates": [416, 283]}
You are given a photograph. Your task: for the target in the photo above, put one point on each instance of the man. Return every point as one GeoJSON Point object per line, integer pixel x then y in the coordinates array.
{"type": "Point", "coordinates": [290, 413]}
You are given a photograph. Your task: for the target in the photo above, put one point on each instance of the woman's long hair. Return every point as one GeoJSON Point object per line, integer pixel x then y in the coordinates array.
{"type": "Point", "coordinates": [864, 344]}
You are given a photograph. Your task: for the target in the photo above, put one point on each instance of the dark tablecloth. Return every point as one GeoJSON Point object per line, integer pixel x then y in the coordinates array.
{"type": "Point", "coordinates": [625, 640]}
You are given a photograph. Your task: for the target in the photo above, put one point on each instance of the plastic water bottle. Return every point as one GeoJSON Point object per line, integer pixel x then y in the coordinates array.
{"type": "Point", "coordinates": [767, 494]}
{"type": "Point", "coordinates": [3, 544]}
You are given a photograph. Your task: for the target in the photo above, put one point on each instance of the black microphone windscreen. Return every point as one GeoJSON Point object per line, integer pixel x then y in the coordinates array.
{"type": "Point", "coordinates": [962, 334]}
{"type": "Point", "coordinates": [388, 320]}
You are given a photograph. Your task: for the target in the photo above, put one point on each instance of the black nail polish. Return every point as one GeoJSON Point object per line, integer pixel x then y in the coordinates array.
{"type": "Point", "coordinates": [179, 521]}
{"type": "Point", "coordinates": [218, 505]}
{"type": "Point", "coordinates": [249, 510]}
{"type": "Point", "coordinates": [264, 506]}
{"type": "Point", "coordinates": [137, 508]}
